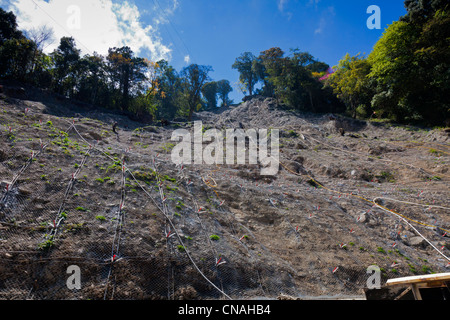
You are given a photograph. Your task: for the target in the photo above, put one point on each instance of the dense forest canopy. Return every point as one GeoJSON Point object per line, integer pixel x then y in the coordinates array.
{"type": "Point", "coordinates": [406, 77]}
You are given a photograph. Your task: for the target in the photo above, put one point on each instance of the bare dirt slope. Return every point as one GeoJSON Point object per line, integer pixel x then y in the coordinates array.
{"type": "Point", "coordinates": [139, 227]}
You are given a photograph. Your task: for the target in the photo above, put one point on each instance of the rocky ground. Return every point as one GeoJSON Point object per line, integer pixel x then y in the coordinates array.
{"type": "Point", "coordinates": [349, 194]}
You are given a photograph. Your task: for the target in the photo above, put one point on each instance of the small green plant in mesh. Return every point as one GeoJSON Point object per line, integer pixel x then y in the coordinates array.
{"type": "Point", "coordinates": [381, 250]}
{"type": "Point", "coordinates": [46, 244]}
{"type": "Point", "coordinates": [214, 237]}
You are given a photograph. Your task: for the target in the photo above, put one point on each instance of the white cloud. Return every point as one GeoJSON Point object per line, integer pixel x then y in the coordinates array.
{"type": "Point", "coordinates": [313, 3]}
{"type": "Point", "coordinates": [161, 13]}
{"type": "Point", "coordinates": [282, 4]}
{"type": "Point", "coordinates": [322, 25]}
{"type": "Point", "coordinates": [187, 59]}
{"type": "Point", "coordinates": [96, 25]}
{"type": "Point", "coordinates": [325, 19]}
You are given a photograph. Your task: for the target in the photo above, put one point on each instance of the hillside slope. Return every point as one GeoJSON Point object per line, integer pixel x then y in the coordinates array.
{"type": "Point", "coordinates": [139, 227]}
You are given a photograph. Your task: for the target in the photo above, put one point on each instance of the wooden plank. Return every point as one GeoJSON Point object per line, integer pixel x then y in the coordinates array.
{"type": "Point", "coordinates": [416, 292]}
{"type": "Point", "coordinates": [403, 293]}
{"type": "Point", "coordinates": [442, 277]}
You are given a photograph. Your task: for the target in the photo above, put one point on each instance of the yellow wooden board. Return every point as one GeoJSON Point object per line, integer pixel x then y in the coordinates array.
{"type": "Point", "coordinates": [422, 279]}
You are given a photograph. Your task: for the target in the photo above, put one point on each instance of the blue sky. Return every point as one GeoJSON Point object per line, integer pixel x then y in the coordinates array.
{"type": "Point", "coordinates": [211, 32]}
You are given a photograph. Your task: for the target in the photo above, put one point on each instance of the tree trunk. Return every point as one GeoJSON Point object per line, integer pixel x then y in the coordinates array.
{"type": "Point", "coordinates": [126, 87]}
{"type": "Point", "coordinates": [311, 100]}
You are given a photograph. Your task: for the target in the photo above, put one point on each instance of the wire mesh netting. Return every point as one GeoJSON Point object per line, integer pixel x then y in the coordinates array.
{"type": "Point", "coordinates": [137, 226]}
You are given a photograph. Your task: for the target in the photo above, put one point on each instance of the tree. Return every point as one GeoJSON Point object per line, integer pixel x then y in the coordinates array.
{"type": "Point", "coordinates": [394, 68]}
{"type": "Point", "coordinates": [411, 65]}
{"type": "Point", "coordinates": [268, 66]}
{"type": "Point", "coordinates": [420, 11]}
{"type": "Point", "coordinates": [195, 76]}
{"type": "Point", "coordinates": [170, 90]}
{"type": "Point", "coordinates": [305, 64]}
{"type": "Point", "coordinates": [8, 27]}
{"type": "Point", "coordinates": [127, 72]}
{"type": "Point", "coordinates": [16, 56]}
{"type": "Point", "coordinates": [290, 79]}
{"type": "Point", "coordinates": [248, 76]}
{"type": "Point", "coordinates": [209, 91]}
{"type": "Point", "coordinates": [15, 50]}
{"type": "Point", "coordinates": [66, 58]}
{"type": "Point", "coordinates": [42, 70]}
{"type": "Point", "coordinates": [93, 87]}
{"type": "Point", "coordinates": [432, 99]}
{"type": "Point", "coordinates": [148, 107]}
{"type": "Point", "coordinates": [223, 90]}
{"type": "Point", "coordinates": [40, 36]}
{"type": "Point", "coordinates": [350, 82]}
{"type": "Point", "coordinates": [260, 71]}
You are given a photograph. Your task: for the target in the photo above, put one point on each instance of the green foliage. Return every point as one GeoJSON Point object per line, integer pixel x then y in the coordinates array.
{"type": "Point", "coordinates": [143, 107]}
{"type": "Point", "coordinates": [16, 58]}
{"type": "Point", "coordinates": [169, 97]}
{"type": "Point", "coordinates": [419, 11]}
{"type": "Point", "coordinates": [166, 177]}
{"type": "Point", "coordinates": [214, 237]}
{"type": "Point", "coordinates": [195, 76]}
{"type": "Point", "coordinates": [209, 91]}
{"type": "Point", "coordinates": [143, 175]}
{"type": "Point", "coordinates": [47, 244]}
{"type": "Point", "coordinates": [66, 61]}
{"type": "Point", "coordinates": [381, 250]}
{"type": "Point", "coordinates": [386, 176]}
{"type": "Point", "coordinates": [412, 269]}
{"type": "Point", "coordinates": [351, 84]}
{"type": "Point", "coordinates": [223, 90]}
{"type": "Point", "coordinates": [406, 77]}
{"type": "Point", "coordinates": [293, 80]}
{"type": "Point", "coordinates": [426, 269]}
{"type": "Point", "coordinates": [168, 147]}
{"type": "Point", "coordinates": [127, 71]}
{"type": "Point", "coordinates": [247, 73]}
{"type": "Point", "coordinates": [8, 27]}
{"type": "Point", "coordinates": [410, 65]}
